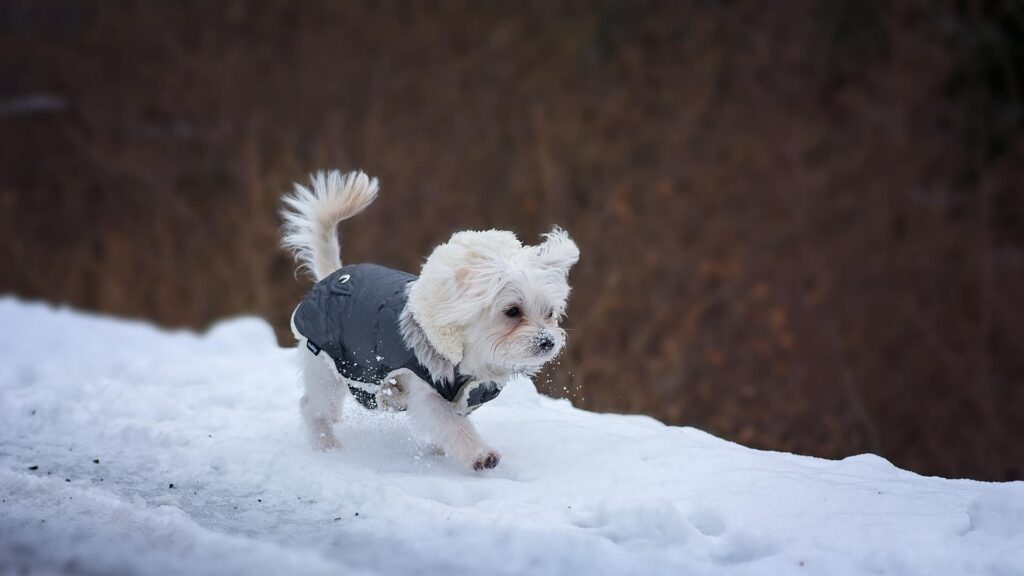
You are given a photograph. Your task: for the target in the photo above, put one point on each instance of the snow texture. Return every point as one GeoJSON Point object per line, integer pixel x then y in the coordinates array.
{"type": "Point", "coordinates": [127, 449]}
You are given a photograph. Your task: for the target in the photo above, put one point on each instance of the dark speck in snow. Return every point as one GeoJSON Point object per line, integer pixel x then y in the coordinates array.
{"type": "Point", "coordinates": [357, 513]}
{"type": "Point", "coordinates": [259, 499]}
{"type": "Point", "coordinates": [95, 460]}
{"type": "Point", "coordinates": [170, 485]}
{"type": "Point", "coordinates": [338, 518]}
{"type": "Point", "coordinates": [67, 479]}
{"type": "Point", "coordinates": [33, 467]}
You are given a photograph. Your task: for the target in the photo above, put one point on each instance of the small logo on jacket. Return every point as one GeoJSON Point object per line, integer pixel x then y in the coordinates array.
{"type": "Point", "coordinates": [313, 348]}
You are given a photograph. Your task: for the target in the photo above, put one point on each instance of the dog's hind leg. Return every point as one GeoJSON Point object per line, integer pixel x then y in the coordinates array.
{"type": "Point", "coordinates": [452, 432]}
{"type": "Point", "coordinates": [323, 400]}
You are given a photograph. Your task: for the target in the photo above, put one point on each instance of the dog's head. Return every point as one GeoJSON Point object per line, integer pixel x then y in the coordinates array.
{"type": "Point", "coordinates": [486, 301]}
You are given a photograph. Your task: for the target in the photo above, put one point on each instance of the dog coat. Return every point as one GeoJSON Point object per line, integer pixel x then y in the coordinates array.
{"type": "Point", "coordinates": [352, 317]}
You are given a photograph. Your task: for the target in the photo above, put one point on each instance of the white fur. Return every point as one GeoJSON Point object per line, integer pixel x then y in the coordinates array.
{"type": "Point", "coordinates": [434, 298]}
{"type": "Point", "coordinates": [459, 313]}
{"type": "Point", "coordinates": [311, 216]}
{"type": "Point", "coordinates": [322, 403]}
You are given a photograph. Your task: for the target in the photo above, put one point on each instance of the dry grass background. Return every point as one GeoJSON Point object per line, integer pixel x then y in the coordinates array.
{"type": "Point", "coordinates": [801, 222]}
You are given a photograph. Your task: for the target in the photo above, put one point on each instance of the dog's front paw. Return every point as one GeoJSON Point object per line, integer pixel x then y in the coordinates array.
{"type": "Point", "coordinates": [486, 460]}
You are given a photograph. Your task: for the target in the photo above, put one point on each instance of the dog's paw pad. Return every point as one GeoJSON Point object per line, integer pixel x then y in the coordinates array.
{"type": "Point", "coordinates": [487, 460]}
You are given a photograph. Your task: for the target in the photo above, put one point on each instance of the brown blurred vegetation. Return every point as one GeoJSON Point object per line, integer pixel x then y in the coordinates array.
{"type": "Point", "coordinates": [801, 223]}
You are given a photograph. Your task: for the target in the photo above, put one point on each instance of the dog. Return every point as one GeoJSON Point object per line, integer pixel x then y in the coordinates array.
{"type": "Point", "coordinates": [483, 309]}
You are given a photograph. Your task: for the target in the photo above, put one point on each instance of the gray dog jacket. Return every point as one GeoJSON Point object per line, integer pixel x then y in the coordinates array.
{"type": "Point", "coordinates": [352, 315]}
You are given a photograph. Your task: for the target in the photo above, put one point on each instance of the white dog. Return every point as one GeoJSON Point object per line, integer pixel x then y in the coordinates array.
{"type": "Point", "coordinates": [484, 308]}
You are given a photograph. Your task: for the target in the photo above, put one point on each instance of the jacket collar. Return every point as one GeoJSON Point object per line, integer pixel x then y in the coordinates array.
{"type": "Point", "coordinates": [441, 365]}
{"type": "Point", "coordinates": [425, 300]}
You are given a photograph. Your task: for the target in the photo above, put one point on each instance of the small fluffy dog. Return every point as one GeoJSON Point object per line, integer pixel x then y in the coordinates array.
{"type": "Point", "coordinates": [483, 309]}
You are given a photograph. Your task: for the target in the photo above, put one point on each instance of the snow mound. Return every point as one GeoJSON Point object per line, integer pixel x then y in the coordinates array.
{"type": "Point", "coordinates": [999, 512]}
{"type": "Point", "coordinates": [130, 449]}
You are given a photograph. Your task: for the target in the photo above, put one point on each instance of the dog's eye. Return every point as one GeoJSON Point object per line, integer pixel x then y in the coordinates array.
{"type": "Point", "coordinates": [551, 314]}
{"type": "Point", "coordinates": [512, 312]}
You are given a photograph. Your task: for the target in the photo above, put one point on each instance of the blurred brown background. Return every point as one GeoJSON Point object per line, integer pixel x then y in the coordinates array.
{"type": "Point", "coordinates": [801, 223]}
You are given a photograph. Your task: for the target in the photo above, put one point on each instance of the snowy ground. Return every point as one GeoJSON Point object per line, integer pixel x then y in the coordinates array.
{"type": "Point", "coordinates": [100, 417]}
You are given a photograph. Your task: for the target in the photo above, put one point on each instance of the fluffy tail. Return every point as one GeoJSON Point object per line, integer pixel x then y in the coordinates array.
{"type": "Point", "coordinates": [311, 216]}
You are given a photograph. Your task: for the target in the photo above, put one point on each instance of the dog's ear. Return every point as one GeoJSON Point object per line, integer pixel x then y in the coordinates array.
{"type": "Point", "coordinates": [558, 250]}
{"type": "Point", "coordinates": [455, 285]}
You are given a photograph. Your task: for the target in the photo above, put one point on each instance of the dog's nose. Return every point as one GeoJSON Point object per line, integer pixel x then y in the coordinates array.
{"type": "Point", "coordinates": [545, 342]}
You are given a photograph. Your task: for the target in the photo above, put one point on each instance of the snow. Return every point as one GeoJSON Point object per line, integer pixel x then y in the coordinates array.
{"type": "Point", "coordinates": [576, 492]}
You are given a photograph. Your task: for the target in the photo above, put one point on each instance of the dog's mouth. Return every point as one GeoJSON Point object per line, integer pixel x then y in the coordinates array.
{"type": "Point", "coordinates": [529, 365]}
{"type": "Point", "coordinates": [527, 355]}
